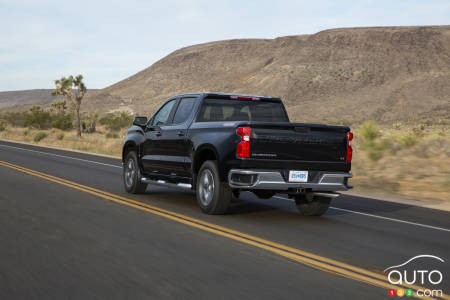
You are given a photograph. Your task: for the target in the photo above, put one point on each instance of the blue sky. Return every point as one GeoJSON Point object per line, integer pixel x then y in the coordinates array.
{"type": "Point", "coordinates": [107, 41]}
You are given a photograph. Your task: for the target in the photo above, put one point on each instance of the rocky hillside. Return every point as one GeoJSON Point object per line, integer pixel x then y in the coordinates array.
{"type": "Point", "coordinates": [339, 76]}
{"type": "Point", "coordinates": [388, 74]}
{"type": "Point", "coordinates": [13, 98]}
{"type": "Point", "coordinates": [25, 99]}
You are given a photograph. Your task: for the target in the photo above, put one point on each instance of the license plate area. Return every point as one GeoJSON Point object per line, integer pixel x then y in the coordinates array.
{"type": "Point", "coordinates": [298, 176]}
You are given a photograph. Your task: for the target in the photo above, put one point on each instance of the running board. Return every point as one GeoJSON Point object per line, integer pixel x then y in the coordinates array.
{"type": "Point", "coordinates": [331, 195]}
{"type": "Point", "coordinates": [167, 184]}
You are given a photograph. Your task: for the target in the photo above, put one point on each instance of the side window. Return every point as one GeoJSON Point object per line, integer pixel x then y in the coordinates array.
{"type": "Point", "coordinates": [184, 110]}
{"type": "Point", "coordinates": [162, 116]}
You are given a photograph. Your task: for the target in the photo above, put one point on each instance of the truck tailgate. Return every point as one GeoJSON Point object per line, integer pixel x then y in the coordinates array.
{"type": "Point", "coordinates": [298, 142]}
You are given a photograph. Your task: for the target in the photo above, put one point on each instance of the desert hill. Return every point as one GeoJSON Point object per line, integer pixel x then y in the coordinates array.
{"type": "Point", "coordinates": [340, 75]}
{"type": "Point", "coordinates": [13, 98]}
{"type": "Point", "coordinates": [24, 99]}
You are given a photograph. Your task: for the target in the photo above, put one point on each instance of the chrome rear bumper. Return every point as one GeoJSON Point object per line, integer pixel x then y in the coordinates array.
{"type": "Point", "coordinates": [273, 180]}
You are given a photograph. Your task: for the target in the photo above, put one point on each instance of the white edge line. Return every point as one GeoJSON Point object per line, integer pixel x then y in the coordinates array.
{"type": "Point", "coordinates": [64, 156]}
{"type": "Point", "coordinates": [381, 217]}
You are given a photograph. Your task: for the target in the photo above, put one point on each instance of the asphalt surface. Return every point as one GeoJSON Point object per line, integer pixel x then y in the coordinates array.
{"type": "Point", "coordinates": [58, 242]}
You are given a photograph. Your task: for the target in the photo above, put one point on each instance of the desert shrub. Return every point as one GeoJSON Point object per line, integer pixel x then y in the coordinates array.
{"type": "Point", "coordinates": [60, 136]}
{"type": "Point", "coordinates": [38, 118]}
{"type": "Point", "coordinates": [369, 131]}
{"type": "Point", "coordinates": [116, 122]}
{"type": "Point", "coordinates": [422, 126]}
{"type": "Point", "coordinates": [371, 143]}
{"type": "Point", "coordinates": [2, 126]}
{"type": "Point", "coordinates": [397, 125]}
{"type": "Point", "coordinates": [375, 154]}
{"type": "Point", "coordinates": [442, 121]}
{"type": "Point", "coordinates": [419, 130]}
{"type": "Point", "coordinates": [408, 139]}
{"type": "Point", "coordinates": [388, 145]}
{"type": "Point", "coordinates": [40, 136]}
{"type": "Point", "coordinates": [112, 135]}
{"type": "Point", "coordinates": [63, 122]}
{"type": "Point", "coordinates": [89, 123]}
{"type": "Point", "coordinates": [15, 118]}
{"type": "Point", "coordinates": [420, 176]}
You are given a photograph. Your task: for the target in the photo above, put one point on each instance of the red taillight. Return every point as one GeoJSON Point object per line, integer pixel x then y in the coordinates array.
{"type": "Point", "coordinates": [349, 147]}
{"type": "Point", "coordinates": [243, 148]}
{"type": "Point", "coordinates": [245, 98]}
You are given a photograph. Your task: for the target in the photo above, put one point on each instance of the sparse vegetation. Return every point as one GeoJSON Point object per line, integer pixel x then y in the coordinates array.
{"type": "Point", "coordinates": [397, 125]}
{"type": "Point", "coordinates": [95, 142]}
{"type": "Point", "coordinates": [374, 155]}
{"type": "Point", "coordinates": [369, 131]}
{"type": "Point", "coordinates": [60, 119]}
{"type": "Point", "coordinates": [40, 136]}
{"type": "Point", "coordinates": [59, 107]}
{"type": "Point", "coordinates": [398, 160]}
{"type": "Point", "coordinates": [2, 125]}
{"type": "Point", "coordinates": [37, 118]}
{"type": "Point", "coordinates": [112, 135]}
{"type": "Point", "coordinates": [63, 122]}
{"type": "Point", "coordinates": [14, 118]}
{"type": "Point", "coordinates": [117, 122]}
{"type": "Point", "coordinates": [89, 123]}
{"type": "Point", "coordinates": [408, 139]}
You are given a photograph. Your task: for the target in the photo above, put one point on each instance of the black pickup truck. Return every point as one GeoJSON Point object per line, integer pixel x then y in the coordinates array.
{"type": "Point", "coordinates": [222, 144]}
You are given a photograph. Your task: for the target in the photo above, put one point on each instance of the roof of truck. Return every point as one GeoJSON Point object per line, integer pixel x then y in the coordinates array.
{"type": "Point", "coordinates": [219, 94]}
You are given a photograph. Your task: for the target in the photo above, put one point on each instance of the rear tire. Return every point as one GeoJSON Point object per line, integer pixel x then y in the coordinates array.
{"type": "Point", "coordinates": [317, 207]}
{"type": "Point", "coordinates": [132, 175]}
{"type": "Point", "coordinates": [213, 196]}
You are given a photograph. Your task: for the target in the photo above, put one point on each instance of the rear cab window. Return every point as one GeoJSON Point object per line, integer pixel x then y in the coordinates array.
{"type": "Point", "coordinates": [216, 110]}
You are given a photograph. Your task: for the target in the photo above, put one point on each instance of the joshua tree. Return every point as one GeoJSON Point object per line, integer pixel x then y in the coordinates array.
{"type": "Point", "coordinates": [93, 118]}
{"type": "Point", "coordinates": [59, 107]}
{"type": "Point", "coordinates": [65, 87]}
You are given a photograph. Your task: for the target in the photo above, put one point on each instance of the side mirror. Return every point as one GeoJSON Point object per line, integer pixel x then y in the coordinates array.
{"type": "Point", "coordinates": [140, 121]}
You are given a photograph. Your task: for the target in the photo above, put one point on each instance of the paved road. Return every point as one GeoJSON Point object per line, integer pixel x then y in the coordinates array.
{"type": "Point", "coordinates": [61, 240]}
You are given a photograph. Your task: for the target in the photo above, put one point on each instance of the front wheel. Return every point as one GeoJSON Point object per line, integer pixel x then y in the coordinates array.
{"type": "Point", "coordinates": [213, 196]}
{"type": "Point", "coordinates": [316, 206]}
{"type": "Point", "coordinates": [132, 175]}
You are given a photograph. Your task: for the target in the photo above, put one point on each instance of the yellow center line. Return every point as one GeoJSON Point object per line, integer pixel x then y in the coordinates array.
{"type": "Point", "coordinates": [307, 258]}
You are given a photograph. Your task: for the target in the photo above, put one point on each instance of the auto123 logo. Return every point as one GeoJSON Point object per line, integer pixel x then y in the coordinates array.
{"type": "Point", "coordinates": [407, 274]}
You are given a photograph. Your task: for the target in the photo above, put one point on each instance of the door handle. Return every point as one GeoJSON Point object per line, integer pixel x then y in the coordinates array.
{"type": "Point", "coordinates": [158, 133]}
{"type": "Point", "coordinates": [180, 133]}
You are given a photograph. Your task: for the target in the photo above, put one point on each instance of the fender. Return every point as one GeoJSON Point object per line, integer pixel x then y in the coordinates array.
{"type": "Point", "coordinates": [221, 142]}
{"type": "Point", "coordinates": [205, 147]}
{"type": "Point", "coordinates": [135, 138]}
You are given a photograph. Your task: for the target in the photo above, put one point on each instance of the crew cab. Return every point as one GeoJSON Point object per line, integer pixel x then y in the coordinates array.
{"type": "Point", "coordinates": [221, 144]}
